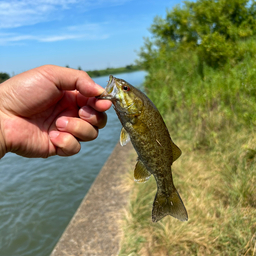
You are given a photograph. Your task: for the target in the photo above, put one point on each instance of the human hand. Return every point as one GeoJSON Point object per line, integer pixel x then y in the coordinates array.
{"type": "Point", "coordinates": [47, 110]}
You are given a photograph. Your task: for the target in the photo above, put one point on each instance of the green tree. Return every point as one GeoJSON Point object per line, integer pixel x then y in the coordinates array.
{"type": "Point", "coordinates": [3, 77]}
{"type": "Point", "coordinates": [213, 29]}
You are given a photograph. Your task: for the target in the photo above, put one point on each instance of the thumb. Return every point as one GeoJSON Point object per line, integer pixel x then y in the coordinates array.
{"type": "Point", "coordinates": [71, 79]}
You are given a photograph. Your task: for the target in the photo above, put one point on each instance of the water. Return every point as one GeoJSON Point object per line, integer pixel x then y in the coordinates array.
{"type": "Point", "coordinates": [38, 197]}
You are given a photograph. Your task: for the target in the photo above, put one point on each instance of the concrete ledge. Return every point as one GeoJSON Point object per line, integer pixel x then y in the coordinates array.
{"type": "Point", "coordinates": [95, 228]}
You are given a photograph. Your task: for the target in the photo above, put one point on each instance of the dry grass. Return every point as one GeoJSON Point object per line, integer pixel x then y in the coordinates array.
{"type": "Point", "coordinates": [217, 186]}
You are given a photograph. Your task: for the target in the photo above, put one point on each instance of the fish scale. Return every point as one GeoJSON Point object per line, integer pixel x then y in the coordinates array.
{"type": "Point", "coordinates": [145, 127]}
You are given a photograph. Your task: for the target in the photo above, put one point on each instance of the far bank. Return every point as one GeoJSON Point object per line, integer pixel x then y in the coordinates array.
{"type": "Point", "coordinates": [113, 71]}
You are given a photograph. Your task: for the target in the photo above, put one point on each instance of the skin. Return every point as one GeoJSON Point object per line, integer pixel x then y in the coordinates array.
{"type": "Point", "coordinates": [48, 110]}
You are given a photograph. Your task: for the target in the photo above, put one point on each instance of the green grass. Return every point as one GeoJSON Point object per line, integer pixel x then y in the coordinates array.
{"type": "Point", "coordinates": [213, 120]}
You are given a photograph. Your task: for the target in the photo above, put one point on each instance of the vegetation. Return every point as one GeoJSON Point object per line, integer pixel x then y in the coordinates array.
{"type": "Point", "coordinates": [112, 71]}
{"type": "Point", "coordinates": [201, 75]}
{"type": "Point", "coordinates": [3, 77]}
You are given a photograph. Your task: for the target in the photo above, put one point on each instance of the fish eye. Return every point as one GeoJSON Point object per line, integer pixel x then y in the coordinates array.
{"type": "Point", "coordinates": [126, 88]}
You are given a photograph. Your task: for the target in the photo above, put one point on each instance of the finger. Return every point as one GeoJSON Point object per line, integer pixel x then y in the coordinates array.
{"type": "Point", "coordinates": [71, 79]}
{"type": "Point", "coordinates": [81, 100]}
{"type": "Point", "coordinates": [98, 104]}
{"type": "Point", "coordinates": [65, 143]}
{"type": "Point", "coordinates": [95, 118]}
{"type": "Point", "coordinates": [77, 127]}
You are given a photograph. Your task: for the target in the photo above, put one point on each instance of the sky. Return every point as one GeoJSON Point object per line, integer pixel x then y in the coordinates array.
{"type": "Point", "coordinates": [91, 34]}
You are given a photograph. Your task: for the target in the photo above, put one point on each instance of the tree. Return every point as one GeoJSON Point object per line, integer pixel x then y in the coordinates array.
{"type": "Point", "coordinates": [212, 28]}
{"type": "Point", "coordinates": [3, 77]}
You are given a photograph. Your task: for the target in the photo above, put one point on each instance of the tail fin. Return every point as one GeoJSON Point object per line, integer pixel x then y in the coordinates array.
{"type": "Point", "coordinates": [171, 205]}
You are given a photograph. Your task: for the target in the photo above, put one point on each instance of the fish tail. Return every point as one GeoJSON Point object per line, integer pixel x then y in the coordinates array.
{"type": "Point", "coordinates": [168, 205]}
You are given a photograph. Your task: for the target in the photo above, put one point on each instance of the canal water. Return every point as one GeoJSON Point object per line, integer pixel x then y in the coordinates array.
{"type": "Point", "coordinates": [38, 197]}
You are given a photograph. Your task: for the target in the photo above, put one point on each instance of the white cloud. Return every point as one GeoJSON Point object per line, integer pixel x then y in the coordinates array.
{"type": "Point", "coordinates": [68, 37]}
{"type": "Point", "coordinates": [19, 38]}
{"type": "Point", "coordinates": [89, 31]}
{"type": "Point", "coordinates": [17, 13]}
{"type": "Point", "coordinates": [57, 38]}
{"type": "Point", "coordinates": [20, 13]}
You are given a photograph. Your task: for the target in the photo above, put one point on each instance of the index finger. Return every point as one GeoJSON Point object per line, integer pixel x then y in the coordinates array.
{"type": "Point", "coordinates": [97, 104]}
{"type": "Point", "coordinates": [71, 79]}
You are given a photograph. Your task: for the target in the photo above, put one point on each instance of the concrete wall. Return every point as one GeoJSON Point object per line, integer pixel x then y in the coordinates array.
{"type": "Point", "coordinates": [95, 228]}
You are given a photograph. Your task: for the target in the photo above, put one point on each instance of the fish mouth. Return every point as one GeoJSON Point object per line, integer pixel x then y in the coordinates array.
{"type": "Point", "coordinates": [110, 90]}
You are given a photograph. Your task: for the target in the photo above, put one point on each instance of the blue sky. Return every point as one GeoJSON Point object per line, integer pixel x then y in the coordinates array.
{"type": "Point", "coordinates": [92, 34]}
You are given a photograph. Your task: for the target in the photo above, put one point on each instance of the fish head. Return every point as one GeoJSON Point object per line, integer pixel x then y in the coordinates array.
{"type": "Point", "coordinates": [123, 95]}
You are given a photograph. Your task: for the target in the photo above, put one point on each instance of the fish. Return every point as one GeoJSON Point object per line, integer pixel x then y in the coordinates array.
{"type": "Point", "coordinates": [144, 126]}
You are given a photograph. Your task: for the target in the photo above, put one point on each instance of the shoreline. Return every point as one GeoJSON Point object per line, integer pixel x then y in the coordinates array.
{"type": "Point", "coordinates": [113, 71]}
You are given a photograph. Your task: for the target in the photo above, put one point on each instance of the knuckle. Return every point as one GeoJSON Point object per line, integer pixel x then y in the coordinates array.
{"type": "Point", "coordinates": [70, 146]}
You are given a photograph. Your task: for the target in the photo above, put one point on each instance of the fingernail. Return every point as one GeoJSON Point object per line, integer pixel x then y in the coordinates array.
{"type": "Point", "coordinates": [54, 134]}
{"type": "Point", "coordinates": [85, 112]}
{"type": "Point", "coordinates": [61, 123]}
{"type": "Point", "coordinates": [100, 89]}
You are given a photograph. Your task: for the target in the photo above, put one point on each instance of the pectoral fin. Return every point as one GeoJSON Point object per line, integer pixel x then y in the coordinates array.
{"type": "Point", "coordinates": [141, 174]}
{"type": "Point", "coordinates": [124, 137]}
{"type": "Point", "coordinates": [176, 152]}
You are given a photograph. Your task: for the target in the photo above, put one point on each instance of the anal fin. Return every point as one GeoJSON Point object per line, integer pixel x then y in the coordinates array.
{"type": "Point", "coordinates": [141, 174]}
{"type": "Point", "coordinates": [175, 151]}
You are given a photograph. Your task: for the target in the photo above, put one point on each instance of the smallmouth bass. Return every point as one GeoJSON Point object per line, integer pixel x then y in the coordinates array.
{"type": "Point", "coordinates": [144, 126]}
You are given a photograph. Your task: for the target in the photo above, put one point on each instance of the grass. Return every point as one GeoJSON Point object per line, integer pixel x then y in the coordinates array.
{"type": "Point", "coordinates": [213, 121]}
{"type": "Point", "coordinates": [218, 189]}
